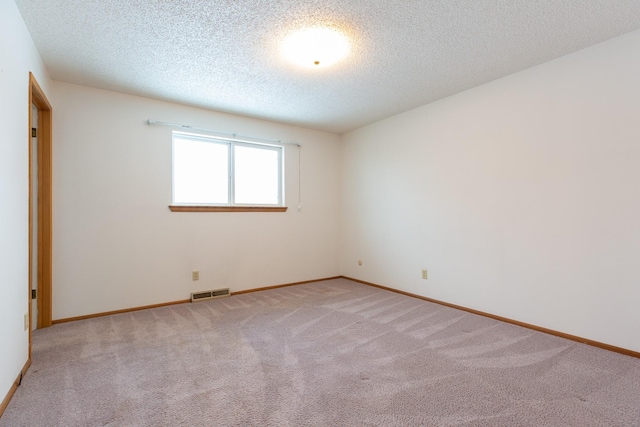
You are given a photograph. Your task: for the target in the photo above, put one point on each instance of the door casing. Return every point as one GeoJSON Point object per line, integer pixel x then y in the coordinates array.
{"type": "Point", "coordinates": [43, 216]}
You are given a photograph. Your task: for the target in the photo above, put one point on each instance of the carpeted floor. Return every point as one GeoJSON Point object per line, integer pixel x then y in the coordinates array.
{"type": "Point", "coordinates": [333, 353]}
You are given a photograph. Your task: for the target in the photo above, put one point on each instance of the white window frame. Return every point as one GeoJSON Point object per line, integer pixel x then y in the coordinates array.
{"type": "Point", "coordinates": [231, 143]}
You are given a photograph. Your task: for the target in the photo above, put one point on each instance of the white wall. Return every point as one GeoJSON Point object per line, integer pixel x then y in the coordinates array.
{"type": "Point", "coordinates": [116, 244]}
{"type": "Point", "coordinates": [521, 197]}
{"type": "Point", "coordinates": [18, 56]}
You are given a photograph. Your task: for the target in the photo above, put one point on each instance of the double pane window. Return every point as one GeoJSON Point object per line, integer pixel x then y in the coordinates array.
{"type": "Point", "coordinates": [210, 171]}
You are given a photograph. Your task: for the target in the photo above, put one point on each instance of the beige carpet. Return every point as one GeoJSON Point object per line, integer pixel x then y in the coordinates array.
{"type": "Point", "coordinates": [333, 353]}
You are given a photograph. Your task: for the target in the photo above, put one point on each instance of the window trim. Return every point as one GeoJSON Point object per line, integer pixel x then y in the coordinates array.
{"type": "Point", "coordinates": [200, 208]}
{"type": "Point", "coordinates": [230, 206]}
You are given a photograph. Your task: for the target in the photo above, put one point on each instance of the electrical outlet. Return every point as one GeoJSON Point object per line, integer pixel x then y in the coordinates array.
{"type": "Point", "coordinates": [26, 321]}
{"type": "Point", "coordinates": [424, 274]}
{"type": "Point", "coordinates": [195, 275]}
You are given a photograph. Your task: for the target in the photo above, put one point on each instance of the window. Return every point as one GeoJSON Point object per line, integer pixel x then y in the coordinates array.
{"type": "Point", "coordinates": [210, 171]}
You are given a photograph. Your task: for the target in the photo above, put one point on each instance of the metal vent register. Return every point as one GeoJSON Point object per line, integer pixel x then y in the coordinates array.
{"type": "Point", "coordinates": [207, 295]}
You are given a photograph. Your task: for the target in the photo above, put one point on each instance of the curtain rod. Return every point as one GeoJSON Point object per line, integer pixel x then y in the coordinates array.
{"type": "Point", "coordinates": [233, 135]}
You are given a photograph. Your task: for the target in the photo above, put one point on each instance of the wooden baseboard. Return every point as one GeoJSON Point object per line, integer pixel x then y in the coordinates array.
{"type": "Point", "coordinates": [145, 307]}
{"type": "Point", "coordinates": [282, 286]}
{"type": "Point", "coordinates": [14, 386]}
{"type": "Point", "coordinates": [126, 310]}
{"type": "Point", "coordinates": [601, 345]}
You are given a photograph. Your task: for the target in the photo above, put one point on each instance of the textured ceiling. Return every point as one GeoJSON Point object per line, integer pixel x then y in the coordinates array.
{"type": "Point", "coordinates": [223, 54]}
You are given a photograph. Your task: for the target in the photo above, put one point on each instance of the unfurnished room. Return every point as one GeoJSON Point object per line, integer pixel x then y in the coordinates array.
{"type": "Point", "coordinates": [319, 213]}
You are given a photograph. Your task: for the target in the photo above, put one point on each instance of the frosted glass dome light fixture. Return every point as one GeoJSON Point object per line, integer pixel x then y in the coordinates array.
{"type": "Point", "coordinates": [315, 47]}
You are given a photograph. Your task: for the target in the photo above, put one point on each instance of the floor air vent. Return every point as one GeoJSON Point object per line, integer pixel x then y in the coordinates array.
{"type": "Point", "coordinates": [206, 295]}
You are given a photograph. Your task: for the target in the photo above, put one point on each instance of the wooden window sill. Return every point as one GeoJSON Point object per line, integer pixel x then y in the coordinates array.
{"type": "Point", "coordinates": [227, 208]}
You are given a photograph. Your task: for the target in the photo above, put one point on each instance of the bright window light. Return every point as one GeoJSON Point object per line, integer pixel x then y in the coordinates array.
{"type": "Point", "coordinates": [209, 171]}
{"type": "Point", "coordinates": [256, 175]}
{"type": "Point", "coordinates": [200, 172]}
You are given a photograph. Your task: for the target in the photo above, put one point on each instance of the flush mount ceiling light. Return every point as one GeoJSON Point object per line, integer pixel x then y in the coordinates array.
{"type": "Point", "coordinates": [315, 47]}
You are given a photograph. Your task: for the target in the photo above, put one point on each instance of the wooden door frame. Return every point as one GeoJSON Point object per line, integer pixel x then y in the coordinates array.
{"type": "Point", "coordinates": [38, 99]}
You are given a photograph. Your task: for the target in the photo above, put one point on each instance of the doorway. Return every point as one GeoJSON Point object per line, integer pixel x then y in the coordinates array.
{"type": "Point", "coordinates": [40, 207]}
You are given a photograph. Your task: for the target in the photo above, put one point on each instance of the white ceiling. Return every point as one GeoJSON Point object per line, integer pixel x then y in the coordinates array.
{"type": "Point", "coordinates": [223, 54]}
